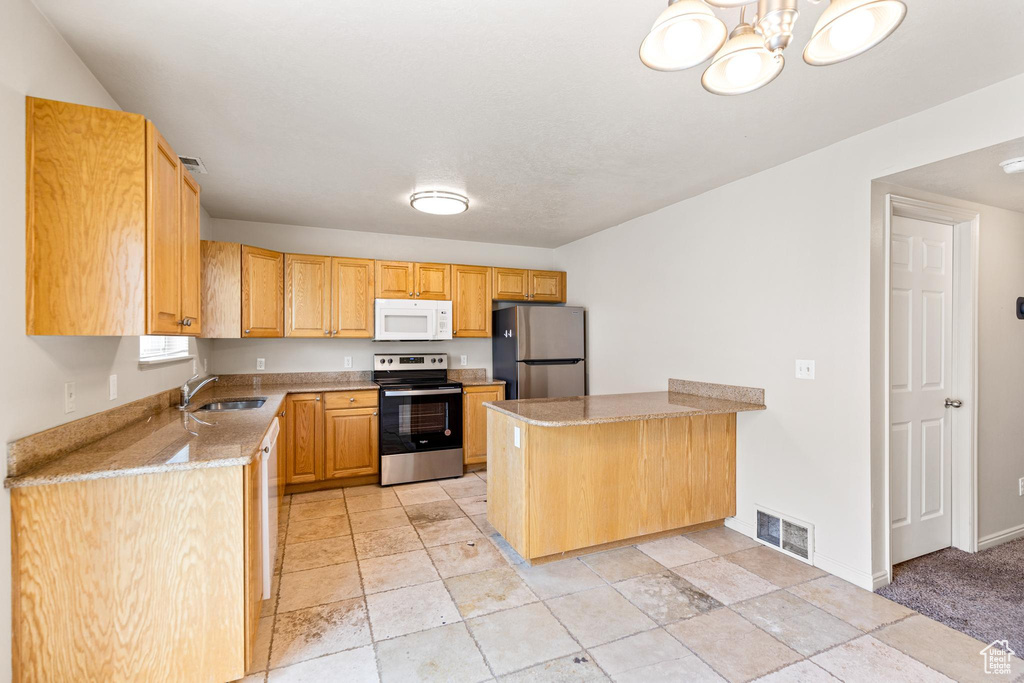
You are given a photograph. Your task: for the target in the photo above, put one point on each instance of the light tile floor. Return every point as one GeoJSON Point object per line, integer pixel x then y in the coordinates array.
{"type": "Point", "coordinates": [412, 584]}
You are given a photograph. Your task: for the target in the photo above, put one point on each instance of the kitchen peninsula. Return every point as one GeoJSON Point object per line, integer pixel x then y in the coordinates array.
{"type": "Point", "coordinates": [571, 475]}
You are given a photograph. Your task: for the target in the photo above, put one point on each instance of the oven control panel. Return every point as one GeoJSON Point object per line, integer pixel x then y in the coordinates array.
{"type": "Point", "coordinates": [416, 361]}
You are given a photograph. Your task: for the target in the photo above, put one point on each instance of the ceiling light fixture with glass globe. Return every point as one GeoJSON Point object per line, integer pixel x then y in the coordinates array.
{"type": "Point", "coordinates": [689, 33]}
{"type": "Point", "coordinates": [439, 202]}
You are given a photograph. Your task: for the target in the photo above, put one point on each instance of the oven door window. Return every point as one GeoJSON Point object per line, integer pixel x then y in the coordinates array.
{"type": "Point", "coordinates": [420, 423]}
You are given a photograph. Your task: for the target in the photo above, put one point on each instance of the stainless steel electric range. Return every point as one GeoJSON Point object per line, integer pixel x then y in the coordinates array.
{"type": "Point", "coordinates": [420, 418]}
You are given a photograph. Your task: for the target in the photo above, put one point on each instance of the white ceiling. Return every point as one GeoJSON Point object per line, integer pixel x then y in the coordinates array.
{"type": "Point", "coordinates": [975, 177]}
{"type": "Point", "coordinates": [331, 112]}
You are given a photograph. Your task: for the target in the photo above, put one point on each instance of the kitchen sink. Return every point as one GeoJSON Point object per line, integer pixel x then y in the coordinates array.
{"type": "Point", "coordinates": [222, 406]}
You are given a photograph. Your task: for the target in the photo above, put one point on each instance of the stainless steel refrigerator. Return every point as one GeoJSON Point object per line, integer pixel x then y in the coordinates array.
{"type": "Point", "coordinates": [539, 351]}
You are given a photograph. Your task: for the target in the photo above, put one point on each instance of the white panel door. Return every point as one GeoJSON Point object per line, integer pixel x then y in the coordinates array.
{"type": "Point", "coordinates": [920, 372]}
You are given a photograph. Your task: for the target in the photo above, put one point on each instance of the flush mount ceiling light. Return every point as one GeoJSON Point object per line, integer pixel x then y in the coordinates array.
{"type": "Point", "coordinates": [688, 33]}
{"type": "Point", "coordinates": [439, 202]}
{"type": "Point", "coordinates": [1013, 165]}
{"type": "Point", "coordinates": [684, 35]}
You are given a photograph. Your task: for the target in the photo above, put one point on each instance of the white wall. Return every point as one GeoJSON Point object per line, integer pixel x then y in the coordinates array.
{"type": "Point", "coordinates": [1000, 430]}
{"type": "Point", "coordinates": [313, 355]}
{"type": "Point", "coordinates": [35, 60]}
{"type": "Point", "coordinates": [735, 284]}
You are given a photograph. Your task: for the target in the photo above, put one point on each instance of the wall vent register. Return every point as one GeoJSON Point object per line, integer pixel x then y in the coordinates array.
{"type": "Point", "coordinates": [791, 536]}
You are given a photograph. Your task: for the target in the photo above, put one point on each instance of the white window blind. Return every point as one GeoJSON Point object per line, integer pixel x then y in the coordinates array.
{"type": "Point", "coordinates": [152, 348]}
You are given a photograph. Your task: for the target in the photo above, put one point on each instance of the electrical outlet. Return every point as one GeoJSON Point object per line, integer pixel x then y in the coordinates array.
{"type": "Point", "coordinates": [805, 369]}
{"type": "Point", "coordinates": [1020, 486]}
{"type": "Point", "coordinates": [261, 363]}
{"type": "Point", "coordinates": [348, 361]}
{"type": "Point", "coordinates": [463, 359]}
{"type": "Point", "coordinates": [516, 436]}
{"type": "Point", "coordinates": [69, 397]}
{"type": "Point", "coordinates": [113, 387]}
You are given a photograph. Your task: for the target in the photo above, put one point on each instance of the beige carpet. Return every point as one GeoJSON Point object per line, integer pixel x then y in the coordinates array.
{"type": "Point", "coordinates": [981, 595]}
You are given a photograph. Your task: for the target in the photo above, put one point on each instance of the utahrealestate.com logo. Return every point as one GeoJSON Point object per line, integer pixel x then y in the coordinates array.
{"type": "Point", "coordinates": [997, 657]}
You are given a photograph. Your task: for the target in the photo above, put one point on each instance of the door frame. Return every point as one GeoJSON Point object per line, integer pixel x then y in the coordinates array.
{"type": "Point", "coordinates": [964, 382]}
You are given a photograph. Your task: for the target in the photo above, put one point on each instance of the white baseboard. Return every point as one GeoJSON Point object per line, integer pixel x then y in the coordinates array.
{"type": "Point", "coordinates": [992, 540]}
{"type": "Point", "coordinates": [881, 579]}
{"type": "Point", "coordinates": [845, 572]}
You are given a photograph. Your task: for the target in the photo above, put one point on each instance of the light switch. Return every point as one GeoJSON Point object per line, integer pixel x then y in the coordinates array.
{"type": "Point", "coordinates": [69, 397]}
{"type": "Point", "coordinates": [261, 363]}
{"type": "Point", "coordinates": [805, 369]}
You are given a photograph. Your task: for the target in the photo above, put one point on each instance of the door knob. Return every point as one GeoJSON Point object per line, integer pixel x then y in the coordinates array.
{"type": "Point", "coordinates": [953, 403]}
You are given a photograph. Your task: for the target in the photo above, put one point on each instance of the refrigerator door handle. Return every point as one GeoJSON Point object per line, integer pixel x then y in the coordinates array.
{"type": "Point", "coordinates": [566, 361]}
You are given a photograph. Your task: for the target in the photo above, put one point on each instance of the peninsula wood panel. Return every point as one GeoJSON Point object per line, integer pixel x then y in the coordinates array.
{"type": "Point", "coordinates": [191, 304]}
{"type": "Point", "coordinates": [221, 284]}
{"type": "Point", "coordinates": [253, 556]}
{"type": "Point", "coordinates": [471, 301]}
{"type": "Point", "coordinates": [511, 284]}
{"type": "Point", "coordinates": [507, 503]}
{"type": "Point", "coordinates": [75, 152]}
{"type": "Point", "coordinates": [474, 420]}
{"type": "Point", "coordinates": [262, 292]}
{"type": "Point", "coordinates": [304, 424]}
{"type": "Point", "coordinates": [547, 286]}
{"type": "Point", "coordinates": [307, 301]}
{"type": "Point", "coordinates": [595, 484]}
{"type": "Point", "coordinates": [163, 236]}
{"type": "Point", "coordinates": [130, 579]}
{"type": "Point", "coordinates": [433, 281]}
{"type": "Point", "coordinates": [350, 443]}
{"type": "Point", "coordinates": [395, 280]}
{"type": "Point", "coordinates": [352, 293]}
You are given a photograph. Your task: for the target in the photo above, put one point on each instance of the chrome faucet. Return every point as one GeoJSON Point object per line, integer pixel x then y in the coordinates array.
{"type": "Point", "coordinates": [187, 394]}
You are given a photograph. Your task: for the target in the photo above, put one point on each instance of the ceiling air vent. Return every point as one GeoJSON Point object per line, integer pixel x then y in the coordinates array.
{"type": "Point", "coordinates": [193, 164]}
{"type": "Point", "coordinates": [787, 534]}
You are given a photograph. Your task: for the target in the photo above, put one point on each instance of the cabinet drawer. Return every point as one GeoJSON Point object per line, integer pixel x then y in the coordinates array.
{"type": "Point", "coordinates": [350, 399]}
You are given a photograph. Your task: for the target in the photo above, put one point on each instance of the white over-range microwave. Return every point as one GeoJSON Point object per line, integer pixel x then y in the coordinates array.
{"type": "Point", "coordinates": [410, 320]}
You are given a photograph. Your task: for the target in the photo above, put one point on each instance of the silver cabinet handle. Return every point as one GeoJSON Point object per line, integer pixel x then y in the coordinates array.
{"type": "Point", "coordinates": [423, 392]}
{"type": "Point", "coordinates": [334, 332]}
{"type": "Point", "coordinates": [375, 413]}
{"type": "Point", "coordinates": [327, 331]}
{"type": "Point", "coordinates": [282, 413]}
{"type": "Point", "coordinates": [317, 398]}
{"type": "Point", "coordinates": [266, 449]}
{"type": "Point", "coordinates": [953, 403]}
{"type": "Point", "coordinates": [248, 331]}
{"type": "Point", "coordinates": [410, 293]}
{"type": "Point", "coordinates": [351, 399]}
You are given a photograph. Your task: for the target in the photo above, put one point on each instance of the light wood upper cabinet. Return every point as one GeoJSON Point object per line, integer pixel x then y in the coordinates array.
{"type": "Point", "coordinates": [304, 427]}
{"type": "Point", "coordinates": [433, 281]}
{"type": "Point", "coordinates": [352, 297]}
{"type": "Point", "coordinates": [474, 420]}
{"type": "Point", "coordinates": [221, 289]}
{"type": "Point", "coordinates": [395, 280]}
{"type": "Point", "coordinates": [262, 292]}
{"type": "Point", "coordinates": [191, 301]}
{"type": "Point", "coordinates": [471, 301]}
{"type": "Point", "coordinates": [511, 284]}
{"type": "Point", "coordinates": [517, 284]}
{"type": "Point", "coordinates": [547, 285]}
{"type": "Point", "coordinates": [307, 302]}
{"type": "Point", "coordinates": [350, 438]}
{"type": "Point", "coordinates": [112, 226]}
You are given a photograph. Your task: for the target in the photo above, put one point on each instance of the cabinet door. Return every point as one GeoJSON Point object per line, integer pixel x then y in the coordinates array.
{"type": "Point", "coordinates": [221, 289]}
{"type": "Point", "coordinates": [547, 285]}
{"type": "Point", "coordinates": [163, 236]}
{"type": "Point", "coordinates": [511, 284]}
{"type": "Point", "coordinates": [352, 298]}
{"type": "Point", "coordinates": [394, 280]}
{"type": "Point", "coordinates": [471, 301]}
{"type": "Point", "coordinates": [351, 443]}
{"type": "Point", "coordinates": [85, 220]}
{"type": "Point", "coordinates": [262, 293]}
{"type": "Point", "coordinates": [474, 421]}
{"type": "Point", "coordinates": [191, 307]}
{"type": "Point", "coordinates": [433, 281]}
{"type": "Point", "coordinates": [307, 298]}
{"type": "Point", "coordinates": [304, 420]}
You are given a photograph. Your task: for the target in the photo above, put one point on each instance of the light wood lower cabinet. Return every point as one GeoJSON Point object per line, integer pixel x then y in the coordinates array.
{"type": "Point", "coordinates": [331, 436]}
{"type": "Point", "coordinates": [304, 426]}
{"type": "Point", "coordinates": [262, 292]}
{"type": "Point", "coordinates": [350, 439]}
{"type": "Point", "coordinates": [137, 578]}
{"type": "Point", "coordinates": [474, 420]}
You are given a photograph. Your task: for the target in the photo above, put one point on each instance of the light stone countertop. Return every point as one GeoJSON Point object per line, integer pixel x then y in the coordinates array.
{"type": "Point", "coordinates": [173, 439]}
{"type": "Point", "coordinates": [584, 410]}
